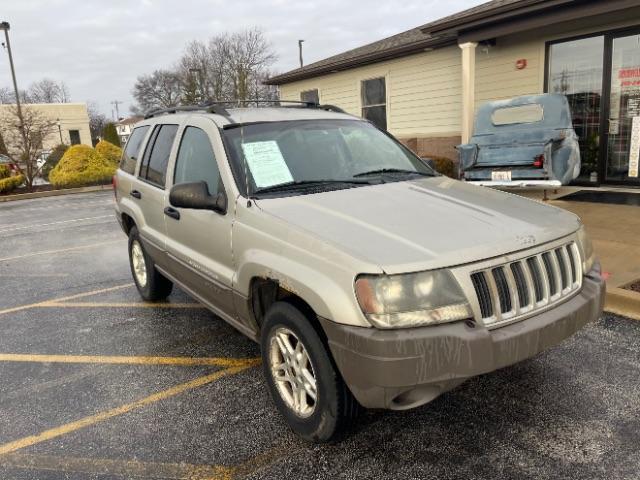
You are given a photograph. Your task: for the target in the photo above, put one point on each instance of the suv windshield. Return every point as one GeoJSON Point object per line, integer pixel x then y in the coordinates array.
{"type": "Point", "coordinates": [315, 155]}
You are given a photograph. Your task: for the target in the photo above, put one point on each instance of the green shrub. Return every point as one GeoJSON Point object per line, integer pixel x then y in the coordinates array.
{"type": "Point", "coordinates": [4, 171]}
{"type": "Point", "coordinates": [444, 165]}
{"type": "Point", "coordinates": [53, 159]}
{"type": "Point", "coordinates": [109, 152]}
{"type": "Point", "coordinates": [9, 184]}
{"type": "Point", "coordinates": [81, 166]}
{"type": "Point", "coordinates": [110, 134]}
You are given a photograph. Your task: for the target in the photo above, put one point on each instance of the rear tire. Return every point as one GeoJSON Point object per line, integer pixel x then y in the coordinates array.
{"type": "Point", "coordinates": [307, 368]}
{"type": "Point", "coordinates": [151, 284]}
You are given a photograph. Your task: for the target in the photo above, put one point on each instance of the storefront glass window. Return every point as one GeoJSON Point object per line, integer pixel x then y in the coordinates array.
{"type": "Point", "coordinates": [575, 70]}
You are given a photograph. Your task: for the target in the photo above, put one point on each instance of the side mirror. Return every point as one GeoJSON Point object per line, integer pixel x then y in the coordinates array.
{"type": "Point", "coordinates": [196, 195]}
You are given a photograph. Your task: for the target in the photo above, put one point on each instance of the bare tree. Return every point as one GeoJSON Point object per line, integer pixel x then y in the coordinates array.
{"type": "Point", "coordinates": [250, 55]}
{"type": "Point", "coordinates": [7, 95]}
{"type": "Point", "coordinates": [42, 91]}
{"type": "Point", "coordinates": [48, 91]}
{"type": "Point", "coordinates": [161, 89]}
{"type": "Point", "coordinates": [229, 67]}
{"type": "Point", "coordinates": [25, 142]}
{"type": "Point", "coordinates": [97, 121]}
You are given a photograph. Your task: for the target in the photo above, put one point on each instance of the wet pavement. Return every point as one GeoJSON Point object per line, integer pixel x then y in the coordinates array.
{"type": "Point", "coordinates": [96, 384]}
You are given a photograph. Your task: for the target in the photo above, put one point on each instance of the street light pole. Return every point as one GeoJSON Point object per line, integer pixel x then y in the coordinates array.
{"type": "Point", "coordinates": [59, 130]}
{"type": "Point", "coordinates": [300, 51]}
{"type": "Point", "coordinates": [5, 26]}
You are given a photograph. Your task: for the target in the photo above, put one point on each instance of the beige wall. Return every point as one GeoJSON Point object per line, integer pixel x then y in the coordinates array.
{"type": "Point", "coordinates": [73, 116]}
{"type": "Point", "coordinates": [424, 90]}
{"type": "Point", "coordinates": [496, 74]}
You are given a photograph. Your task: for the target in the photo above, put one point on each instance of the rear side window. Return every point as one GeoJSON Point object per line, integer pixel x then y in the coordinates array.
{"type": "Point", "coordinates": [154, 168]}
{"type": "Point", "coordinates": [530, 113]}
{"type": "Point", "coordinates": [196, 161]}
{"type": "Point", "coordinates": [130, 154]}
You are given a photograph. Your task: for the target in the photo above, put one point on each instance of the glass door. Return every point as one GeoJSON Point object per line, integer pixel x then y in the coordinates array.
{"type": "Point", "coordinates": [575, 69]}
{"type": "Point", "coordinates": [623, 128]}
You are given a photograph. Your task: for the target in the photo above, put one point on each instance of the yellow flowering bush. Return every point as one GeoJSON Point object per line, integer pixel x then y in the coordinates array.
{"type": "Point", "coordinates": [7, 184]}
{"type": "Point", "coordinates": [109, 151]}
{"type": "Point", "coordinates": [80, 166]}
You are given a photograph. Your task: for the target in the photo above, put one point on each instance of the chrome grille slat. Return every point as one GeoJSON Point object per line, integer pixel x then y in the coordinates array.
{"type": "Point", "coordinates": [504, 295]}
{"type": "Point", "coordinates": [536, 276]}
{"type": "Point", "coordinates": [521, 285]}
{"type": "Point", "coordinates": [514, 289]}
{"type": "Point", "coordinates": [547, 261]}
{"type": "Point", "coordinates": [484, 295]}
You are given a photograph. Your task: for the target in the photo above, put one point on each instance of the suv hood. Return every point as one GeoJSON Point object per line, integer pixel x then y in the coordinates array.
{"type": "Point", "coordinates": [423, 224]}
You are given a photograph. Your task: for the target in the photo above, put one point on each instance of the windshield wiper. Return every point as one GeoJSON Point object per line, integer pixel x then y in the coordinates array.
{"type": "Point", "coordinates": [392, 170]}
{"type": "Point", "coordinates": [302, 183]}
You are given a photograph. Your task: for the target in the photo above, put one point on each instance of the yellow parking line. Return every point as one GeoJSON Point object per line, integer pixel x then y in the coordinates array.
{"type": "Point", "coordinates": [120, 305]}
{"type": "Point", "coordinates": [70, 297]}
{"type": "Point", "coordinates": [124, 468]}
{"type": "Point", "coordinates": [70, 249]}
{"type": "Point", "coordinates": [102, 416]}
{"type": "Point", "coordinates": [130, 360]}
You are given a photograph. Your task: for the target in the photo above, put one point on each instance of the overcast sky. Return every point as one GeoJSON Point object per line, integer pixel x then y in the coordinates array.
{"type": "Point", "coordinates": [98, 48]}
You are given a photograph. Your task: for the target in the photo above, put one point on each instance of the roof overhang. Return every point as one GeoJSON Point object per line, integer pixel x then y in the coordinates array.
{"type": "Point", "coordinates": [429, 43]}
{"type": "Point", "coordinates": [513, 17]}
{"type": "Point", "coordinates": [538, 16]}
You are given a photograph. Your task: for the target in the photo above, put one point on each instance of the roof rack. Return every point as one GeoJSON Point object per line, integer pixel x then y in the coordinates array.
{"type": "Point", "coordinates": [219, 109]}
{"type": "Point", "coordinates": [215, 107]}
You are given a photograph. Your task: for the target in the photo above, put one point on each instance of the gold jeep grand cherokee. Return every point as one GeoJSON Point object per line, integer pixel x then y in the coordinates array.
{"type": "Point", "coordinates": [368, 279]}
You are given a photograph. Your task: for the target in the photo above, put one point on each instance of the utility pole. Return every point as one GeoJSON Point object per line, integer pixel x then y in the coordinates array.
{"type": "Point", "coordinates": [5, 26]}
{"type": "Point", "coordinates": [116, 103]}
{"type": "Point", "coordinates": [300, 51]}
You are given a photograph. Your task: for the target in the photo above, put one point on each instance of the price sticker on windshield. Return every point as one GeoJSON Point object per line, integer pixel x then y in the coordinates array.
{"type": "Point", "coordinates": [266, 163]}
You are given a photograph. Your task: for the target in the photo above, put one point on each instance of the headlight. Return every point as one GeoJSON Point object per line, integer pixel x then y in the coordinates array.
{"type": "Point", "coordinates": [586, 250]}
{"type": "Point", "coordinates": [411, 300]}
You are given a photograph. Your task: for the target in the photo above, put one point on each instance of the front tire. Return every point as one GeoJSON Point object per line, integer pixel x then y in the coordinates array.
{"type": "Point", "coordinates": [151, 284]}
{"type": "Point", "coordinates": [302, 379]}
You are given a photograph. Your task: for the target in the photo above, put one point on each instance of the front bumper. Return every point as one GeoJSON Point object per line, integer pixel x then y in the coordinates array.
{"type": "Point", "coordinates": [401, 369]}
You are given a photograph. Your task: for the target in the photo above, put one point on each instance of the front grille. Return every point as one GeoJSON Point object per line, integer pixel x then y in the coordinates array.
{"type": "Point", "coordinates": [509, 291]}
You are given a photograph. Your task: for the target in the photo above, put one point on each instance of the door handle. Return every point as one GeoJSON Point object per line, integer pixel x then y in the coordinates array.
{"type": "Point", "coordinates": [135, 194]}
{"type": "Point", "coordinates": [172, 212]}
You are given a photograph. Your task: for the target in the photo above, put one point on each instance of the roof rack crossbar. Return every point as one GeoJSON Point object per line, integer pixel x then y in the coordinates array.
{"type": "Point", "coordinates": [219, 107]}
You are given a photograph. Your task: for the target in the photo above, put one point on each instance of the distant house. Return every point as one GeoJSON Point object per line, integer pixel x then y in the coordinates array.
{"type": "Point", "coordinates": [71, 122]}
{"type": "Point", "coordinates": [125, 126]}
{"type": "Point", "coordinates": [424, 85]}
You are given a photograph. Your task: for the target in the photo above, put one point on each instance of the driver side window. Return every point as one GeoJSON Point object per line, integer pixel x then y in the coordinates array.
{"type": "Point", "coordinates": [196, 161]}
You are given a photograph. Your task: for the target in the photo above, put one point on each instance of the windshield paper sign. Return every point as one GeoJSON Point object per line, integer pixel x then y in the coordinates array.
{"type": "Point", "coordinates": [266, 163]}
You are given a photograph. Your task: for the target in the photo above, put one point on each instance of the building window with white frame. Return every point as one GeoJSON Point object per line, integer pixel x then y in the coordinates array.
{"type": "Point", "coordinates": [311, 96]}
{"type": "Point", "coordinates": [374, 101]}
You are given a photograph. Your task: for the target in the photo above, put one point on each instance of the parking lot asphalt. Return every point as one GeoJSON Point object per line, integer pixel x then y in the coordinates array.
{"type": "Point", "coordinates": [96, 384]}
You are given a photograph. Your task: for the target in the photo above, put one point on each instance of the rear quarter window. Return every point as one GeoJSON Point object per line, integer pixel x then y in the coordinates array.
{"type": "Point", "coordinates": [531, 113]}
{"type": "Point", "coordinates": [154, 167]}
{"type": "Point", "coordinates": [132, 149]}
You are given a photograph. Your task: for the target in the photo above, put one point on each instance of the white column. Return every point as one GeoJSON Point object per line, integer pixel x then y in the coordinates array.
{"type": "Point", "coordinates": [468, 88]}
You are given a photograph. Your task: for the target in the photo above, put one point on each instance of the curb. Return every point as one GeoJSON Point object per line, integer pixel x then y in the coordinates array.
{"type": "Point", "coordinates": [54, 193]}
{"type": "Point", "coordinates": [623, 302]}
